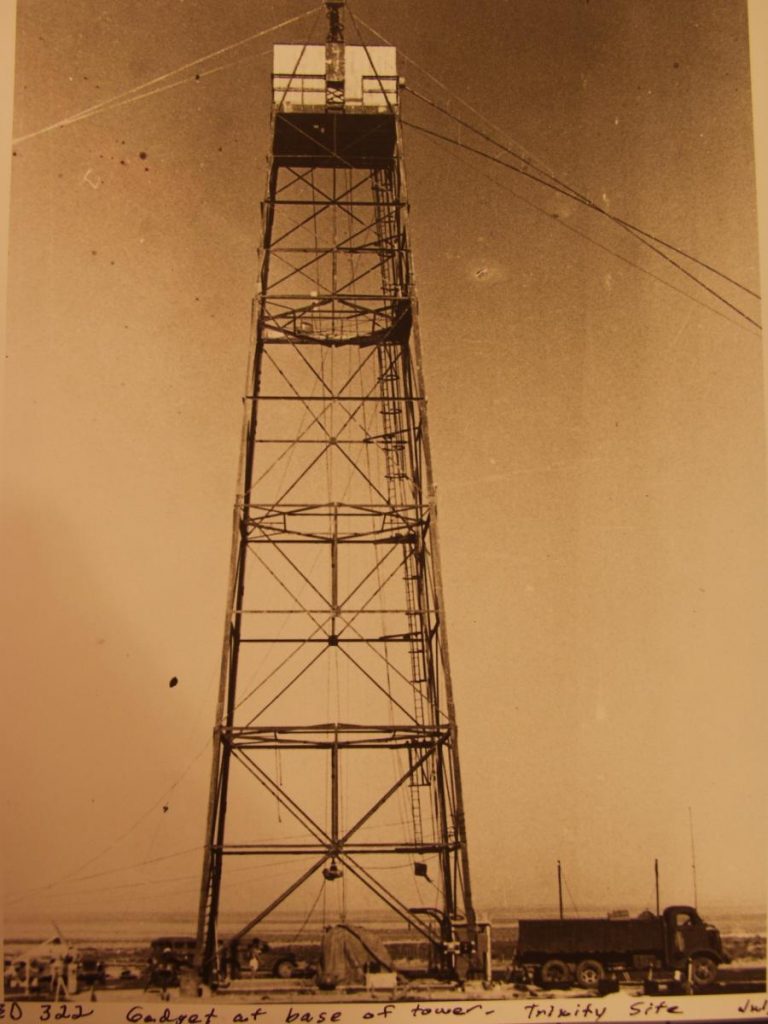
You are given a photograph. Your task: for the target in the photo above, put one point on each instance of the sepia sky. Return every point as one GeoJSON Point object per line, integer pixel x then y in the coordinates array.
{"type": "Point", "coordinates": [597, 430]}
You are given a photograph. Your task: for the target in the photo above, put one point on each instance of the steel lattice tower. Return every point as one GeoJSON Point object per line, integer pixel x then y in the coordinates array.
{"type": "Point", "coordinates": [335, 737]}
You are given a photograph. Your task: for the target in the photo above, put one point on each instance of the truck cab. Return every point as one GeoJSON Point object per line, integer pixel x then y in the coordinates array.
{"type": "Point", "coordinates": [689, 939]}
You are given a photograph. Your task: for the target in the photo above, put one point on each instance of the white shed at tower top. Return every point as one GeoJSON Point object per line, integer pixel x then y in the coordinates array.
{"type": "Point", "coordinates": [298, 76]}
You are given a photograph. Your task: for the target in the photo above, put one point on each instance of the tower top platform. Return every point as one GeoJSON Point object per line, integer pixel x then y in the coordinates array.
{"type": "Point", "coordinates": [366, 75]}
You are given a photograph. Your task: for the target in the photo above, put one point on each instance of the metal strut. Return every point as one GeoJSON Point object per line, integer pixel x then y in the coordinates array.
{"type": "Point", "coordinates": [334, 10]}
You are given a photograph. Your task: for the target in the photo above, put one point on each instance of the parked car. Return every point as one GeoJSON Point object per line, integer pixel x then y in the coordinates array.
{"type": "Point", "coordinates": [257, 957]}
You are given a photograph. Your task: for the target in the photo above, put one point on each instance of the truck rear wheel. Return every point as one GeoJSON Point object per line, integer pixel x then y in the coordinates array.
{"type": "Point", "coordinates": [589, 973]}
{"type": "Point", "coordinates": [554, 972]}
{"type": "Point", "coordinates": [703, 970]}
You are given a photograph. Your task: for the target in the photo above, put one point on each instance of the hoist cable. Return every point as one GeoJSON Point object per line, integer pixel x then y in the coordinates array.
{"type": "Point", "coordinates": [611, 252]}
{"type": "Point", "coordinates": [645, 238]}
{"type": "Point", "coordinates": [565, 192]}
{"type": "Point", "coordinates": [97, 108]}
{"type": "Point", "coordinates": [579, 196]}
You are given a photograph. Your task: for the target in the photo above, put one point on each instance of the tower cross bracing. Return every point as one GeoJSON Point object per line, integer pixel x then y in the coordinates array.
{"type": "Point", "coordinates": [335, 769]}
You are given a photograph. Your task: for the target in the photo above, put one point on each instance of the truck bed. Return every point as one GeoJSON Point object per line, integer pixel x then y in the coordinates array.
{"type": "Point", "coordinates": [590, 936]}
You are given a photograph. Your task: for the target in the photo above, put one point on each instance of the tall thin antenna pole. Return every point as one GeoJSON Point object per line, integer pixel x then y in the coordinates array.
{"type": "Point", "coordinates": [693, 860]}
{"type": "Point", "coordinates": [656, 874]}
{"type": "Point", "coordinates": [560, 888]}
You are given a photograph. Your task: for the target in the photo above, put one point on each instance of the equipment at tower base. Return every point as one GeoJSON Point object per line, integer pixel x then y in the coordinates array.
{"type": "Point", "coordinates": [351, 953]}
{"type": "Point", "coordinates": [335, 717]}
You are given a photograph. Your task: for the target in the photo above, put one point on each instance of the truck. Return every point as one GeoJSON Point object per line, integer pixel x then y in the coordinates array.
{"type": "Point", "coordinates": [586, 950]}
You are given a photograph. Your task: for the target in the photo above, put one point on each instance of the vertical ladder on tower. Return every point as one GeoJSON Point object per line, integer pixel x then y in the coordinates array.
{"type": "Point", "coordinates": [401, 494]}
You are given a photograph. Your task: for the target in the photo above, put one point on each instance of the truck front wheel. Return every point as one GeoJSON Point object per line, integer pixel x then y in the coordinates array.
{"type": "Point", "coordinates": [283, 969]}
{"type": "Point", "coordinates": [703, 970]}
{"type": "Point", "coordinates": [554, 972]}
{"type": "Point", "coordinates": [589, 973]}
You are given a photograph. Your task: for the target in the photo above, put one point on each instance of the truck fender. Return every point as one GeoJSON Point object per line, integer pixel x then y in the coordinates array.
{"type": "Point", "coordinates": [712, 954]}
